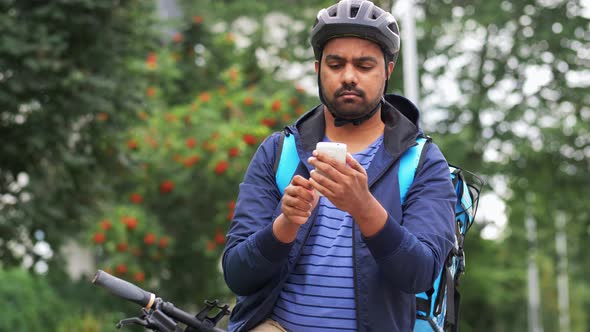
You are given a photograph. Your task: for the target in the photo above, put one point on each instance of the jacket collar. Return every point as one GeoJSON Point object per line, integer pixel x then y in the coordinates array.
{"type": "Point", "coordinates": [398, 113]}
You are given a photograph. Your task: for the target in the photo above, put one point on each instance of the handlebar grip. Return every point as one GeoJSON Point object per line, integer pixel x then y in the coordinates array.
{"type": "Point", "coordinates": [124, 289]}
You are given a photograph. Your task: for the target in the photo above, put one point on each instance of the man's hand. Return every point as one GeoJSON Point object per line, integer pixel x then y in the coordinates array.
{"type": "Point", "coordinates": [298, 202]}
{"type": "Point", "coordinates": [346, 186]}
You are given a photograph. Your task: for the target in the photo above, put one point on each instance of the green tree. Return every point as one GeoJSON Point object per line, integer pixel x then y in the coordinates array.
{"type": "Point", "coordinates": [185, 162]}
{"type": "Point", "coordinates": [501, 119]}
{"type": "Point", "coordinates": [157, 134]}
{"type": "Point", "coordinates": [69, 85]}
{"type": "Point", "coordinates": [505, 81]}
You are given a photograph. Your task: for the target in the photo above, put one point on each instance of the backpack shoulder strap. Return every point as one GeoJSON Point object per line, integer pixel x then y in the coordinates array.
{"type": "Point", "coordinates": [409, 163]}
{"type": "Point", "coordinates": [287, 162]}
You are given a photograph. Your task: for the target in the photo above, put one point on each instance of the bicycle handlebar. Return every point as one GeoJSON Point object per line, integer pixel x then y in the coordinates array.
{"type": "Point", "coordinates": [124, 289]}
{"type": "Point", "coordinates": [156, 306]}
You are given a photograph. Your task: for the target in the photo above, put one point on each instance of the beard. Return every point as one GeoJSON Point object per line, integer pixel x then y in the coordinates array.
{"type": "Point", "coordinates": [350, 109]}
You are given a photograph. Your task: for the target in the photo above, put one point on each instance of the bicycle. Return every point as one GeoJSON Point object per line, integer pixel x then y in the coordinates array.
{"type": "Point", "coordinates": [157, 314]}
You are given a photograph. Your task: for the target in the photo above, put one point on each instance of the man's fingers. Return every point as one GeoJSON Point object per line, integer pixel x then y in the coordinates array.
{"type": "Point", "coordinates": [327, 169]}
{"type": "Point", "coordinates": [302, 191]}
{"type": "Point", "coordinates": [299, 195]}
{"type": "Point", "coordinates": [325, 158]}
{"type": "Point", "coordinates": [320, 182]}
{"type": "Point", "coordinates": [333, 168]}
{"type": "Point", "coordinates": [296, 209]}
{"type": "Point", "coordinates": [354, 164]}
{"type": "Point", "coordinates": [297, 203]}
{"type": "Point", "coordinates": [300, 181]}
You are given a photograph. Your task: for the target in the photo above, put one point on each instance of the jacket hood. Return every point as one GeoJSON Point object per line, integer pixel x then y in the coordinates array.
{"type": "Point", "coordinates": [405, 106]}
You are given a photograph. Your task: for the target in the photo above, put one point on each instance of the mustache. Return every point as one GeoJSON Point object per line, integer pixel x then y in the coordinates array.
{"type": "Point", "coordinates": [348, 89]}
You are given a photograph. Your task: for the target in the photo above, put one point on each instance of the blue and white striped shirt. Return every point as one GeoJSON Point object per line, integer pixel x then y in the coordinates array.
{"type": "Point", "coordinates": [319, 293]}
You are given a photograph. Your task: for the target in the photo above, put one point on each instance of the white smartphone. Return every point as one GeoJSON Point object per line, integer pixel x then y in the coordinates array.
{"type": "Point", "coordinates": [335, 150]}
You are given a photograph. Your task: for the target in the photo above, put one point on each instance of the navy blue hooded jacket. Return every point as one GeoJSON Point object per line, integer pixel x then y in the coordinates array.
{"type": "Point", "coordinates": [390, 267]}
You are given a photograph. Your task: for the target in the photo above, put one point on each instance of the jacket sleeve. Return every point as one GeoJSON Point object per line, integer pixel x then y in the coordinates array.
{"type": "Point", "coordinates": [252, 254]}
{"type": "Point", "coordinates": [411, 253]}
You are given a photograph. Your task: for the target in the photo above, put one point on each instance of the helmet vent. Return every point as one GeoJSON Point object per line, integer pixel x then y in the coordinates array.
{"type": "Point", "coordinates": [375, 15]}
{"type": "Point", "coordinates": [360, 18]}
{"type": "Point", "coordinates": [332, 11]}
{"type": "Point", "coordinates": [393, 28]}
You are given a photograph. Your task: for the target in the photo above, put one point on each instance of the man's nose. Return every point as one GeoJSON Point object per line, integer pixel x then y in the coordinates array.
{"type": "Point", "coordinates": [349, 75]}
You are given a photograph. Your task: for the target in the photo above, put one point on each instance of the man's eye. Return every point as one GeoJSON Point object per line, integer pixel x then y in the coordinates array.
{"type": "Point", "coordinates": [335, 66]}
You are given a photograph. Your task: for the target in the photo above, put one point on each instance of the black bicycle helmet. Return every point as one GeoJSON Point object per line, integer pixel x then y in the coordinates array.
{"type": "Point", "coordinates": [356, 18]}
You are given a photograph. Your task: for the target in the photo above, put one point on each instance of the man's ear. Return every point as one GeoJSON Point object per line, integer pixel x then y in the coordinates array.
{"type": "Point", "coordinates": [317, 66]}
{"type": "Point", "coordinates": [390, 67]}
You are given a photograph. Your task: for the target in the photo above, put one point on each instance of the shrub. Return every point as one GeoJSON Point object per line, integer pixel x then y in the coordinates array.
{"type": "Point", "coordinates": [28, 302]}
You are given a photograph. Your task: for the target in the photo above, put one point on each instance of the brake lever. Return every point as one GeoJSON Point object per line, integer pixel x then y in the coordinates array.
{"type": "Point", "coordinates": [130, 321]}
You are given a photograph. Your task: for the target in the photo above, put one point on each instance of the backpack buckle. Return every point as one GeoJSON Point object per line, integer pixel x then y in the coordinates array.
{"type": "Point", "coordinates": [461, 258]}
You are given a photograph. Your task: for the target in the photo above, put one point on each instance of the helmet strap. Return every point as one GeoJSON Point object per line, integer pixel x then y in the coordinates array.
{"type": "Point", "coordinates": [387, 73]}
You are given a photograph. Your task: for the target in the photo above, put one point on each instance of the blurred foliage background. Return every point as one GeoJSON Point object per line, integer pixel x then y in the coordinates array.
{"type": "Point", "coordinates": [126, 127]}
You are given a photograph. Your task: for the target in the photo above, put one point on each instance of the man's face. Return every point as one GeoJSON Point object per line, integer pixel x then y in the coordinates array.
{"type": "Point", "coordinates": [352, 76]}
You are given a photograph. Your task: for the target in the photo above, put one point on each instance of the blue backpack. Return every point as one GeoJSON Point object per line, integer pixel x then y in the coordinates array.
{"type": "Point", "coordinates": [438, 308]}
